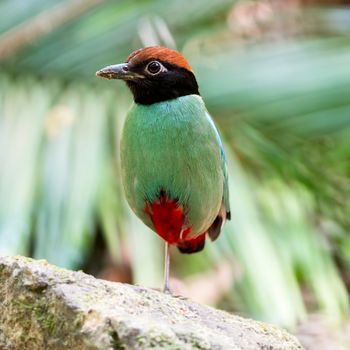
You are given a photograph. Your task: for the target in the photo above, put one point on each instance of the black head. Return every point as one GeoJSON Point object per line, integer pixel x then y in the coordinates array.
{"type": "Point", "coordinates": [154, 74]}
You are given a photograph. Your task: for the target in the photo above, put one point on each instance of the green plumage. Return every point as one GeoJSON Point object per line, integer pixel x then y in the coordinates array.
{"type": "Point", "coordinates": [173, 145]}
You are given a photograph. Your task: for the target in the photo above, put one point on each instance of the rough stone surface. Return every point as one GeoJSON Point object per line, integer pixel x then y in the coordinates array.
{"type": "Point", "coordinates": [45, 307]}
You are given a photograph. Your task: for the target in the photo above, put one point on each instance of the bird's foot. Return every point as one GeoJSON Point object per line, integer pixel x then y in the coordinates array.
{"type": "Point", "coordinates": [167, 290]}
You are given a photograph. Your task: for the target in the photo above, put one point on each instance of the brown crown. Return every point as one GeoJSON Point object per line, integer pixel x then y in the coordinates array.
{"type": "Point", "coordinates": [158, 53]}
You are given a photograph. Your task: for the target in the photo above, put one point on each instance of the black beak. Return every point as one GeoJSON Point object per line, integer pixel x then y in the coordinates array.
{"type": "Point", "coordinates": [118, 71]}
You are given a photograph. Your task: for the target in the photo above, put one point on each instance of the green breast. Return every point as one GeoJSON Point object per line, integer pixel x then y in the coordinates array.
{"type": "Point", "coordinates": [171, 145]}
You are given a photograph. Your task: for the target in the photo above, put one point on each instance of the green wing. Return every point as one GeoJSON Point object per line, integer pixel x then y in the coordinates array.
{"type": "Point", "coordinates": [224, 213]}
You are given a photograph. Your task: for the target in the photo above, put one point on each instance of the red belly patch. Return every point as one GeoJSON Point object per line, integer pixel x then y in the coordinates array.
{"type": "Point", "coordinates": [168, 219]}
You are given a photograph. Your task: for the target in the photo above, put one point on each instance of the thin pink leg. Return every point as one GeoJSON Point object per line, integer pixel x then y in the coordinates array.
{"type": "Point", "coordinates": [166, 268]}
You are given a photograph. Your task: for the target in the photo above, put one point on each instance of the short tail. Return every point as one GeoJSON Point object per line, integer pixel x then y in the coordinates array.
{"type": "Point", "coordinates": [193, 245]}
{"type": "Point", "coordinates": [197, 244]}
{"type": "Point", "coordinates": [215, 228]}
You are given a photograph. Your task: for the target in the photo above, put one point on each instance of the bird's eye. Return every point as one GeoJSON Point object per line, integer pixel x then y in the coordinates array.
{"type": "Point", "coordinates": [154, 67]}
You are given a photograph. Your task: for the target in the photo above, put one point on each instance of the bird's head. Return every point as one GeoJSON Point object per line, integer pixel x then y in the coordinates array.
{"type": "Point", "coordinates": [154, 74]}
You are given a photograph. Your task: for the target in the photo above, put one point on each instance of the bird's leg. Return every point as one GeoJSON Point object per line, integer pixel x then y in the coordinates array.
{"type": "Point", "coordinates": [166, 268]}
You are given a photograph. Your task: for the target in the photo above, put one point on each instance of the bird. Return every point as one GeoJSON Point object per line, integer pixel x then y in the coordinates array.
{"type": "Point", "coordinates": [173, 163]}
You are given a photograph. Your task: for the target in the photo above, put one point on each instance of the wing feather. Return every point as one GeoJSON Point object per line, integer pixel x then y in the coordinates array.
{"type": "Point", "coordinates": [224, 213]}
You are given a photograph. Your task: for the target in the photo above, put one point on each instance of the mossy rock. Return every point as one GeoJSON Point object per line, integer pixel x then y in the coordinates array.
{"type": "Point", "coordinates": [44, 307]}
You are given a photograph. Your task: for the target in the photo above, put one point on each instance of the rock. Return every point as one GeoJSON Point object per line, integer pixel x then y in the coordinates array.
{"type": "Point", "coordinates": [46, 307]}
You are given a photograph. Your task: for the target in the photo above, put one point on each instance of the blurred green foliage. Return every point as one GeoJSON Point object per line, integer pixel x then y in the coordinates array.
{"type": "Point", "coordinates": [275, 78]}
